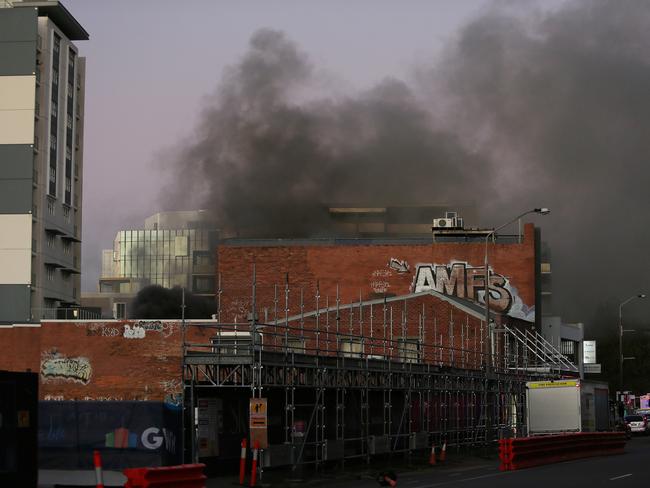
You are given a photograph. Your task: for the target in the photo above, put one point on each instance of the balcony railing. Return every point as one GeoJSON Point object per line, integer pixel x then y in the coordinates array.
{"type": "Point", "coordinates": [70, 313]}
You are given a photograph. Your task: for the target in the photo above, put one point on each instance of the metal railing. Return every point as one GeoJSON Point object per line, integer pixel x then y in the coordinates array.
{"type": "Point", "coordinates": [64, 313]}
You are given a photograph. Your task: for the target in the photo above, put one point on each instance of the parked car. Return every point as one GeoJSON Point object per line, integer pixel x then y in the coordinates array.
{"type": "Point", "coordinates": [638, 424]}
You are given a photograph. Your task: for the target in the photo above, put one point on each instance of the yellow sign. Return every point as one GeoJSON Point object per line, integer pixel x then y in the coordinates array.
{"type": "Point", "coordinates": [553, 384]}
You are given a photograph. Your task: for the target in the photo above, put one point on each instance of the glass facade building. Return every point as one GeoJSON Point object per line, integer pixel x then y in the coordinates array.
{"type": "Point", "coordinates": [172, 257]}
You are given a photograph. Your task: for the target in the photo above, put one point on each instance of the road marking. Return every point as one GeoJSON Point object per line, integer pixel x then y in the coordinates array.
{"type": "Point", "coordinates": [620, 477]}
{"type": "Point", "coordinates": [462, 479]}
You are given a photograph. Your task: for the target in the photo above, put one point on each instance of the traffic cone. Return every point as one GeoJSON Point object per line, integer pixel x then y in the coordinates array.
{"type": "Point", "coordinates": [97, 461]}
{"type": "Point", "coordinates": [432, 457]}
{"type": "Point", "coordinates": [389, 479]}
{"type": "Point", "coordinates": [443, 453]}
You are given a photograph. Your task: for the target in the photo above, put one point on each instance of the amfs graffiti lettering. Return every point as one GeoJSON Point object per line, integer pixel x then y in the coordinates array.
{"type": "Point", "coordinates": [464, 281]}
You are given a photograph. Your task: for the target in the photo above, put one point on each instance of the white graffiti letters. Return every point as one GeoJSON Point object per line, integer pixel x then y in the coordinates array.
{"type": "Point", "coordinates": [135, 332]}
{"type": "Point", "coordinates": [74, 369]}
{"type": "Point", "coordinates": [463, 281]}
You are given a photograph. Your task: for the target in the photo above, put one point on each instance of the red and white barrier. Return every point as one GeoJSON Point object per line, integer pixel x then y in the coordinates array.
{"type": "Point", "coordinates": [526, 452]}
{"type": "Point", "coordinates": [97, 462]}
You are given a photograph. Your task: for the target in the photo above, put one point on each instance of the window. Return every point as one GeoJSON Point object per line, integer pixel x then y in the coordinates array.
{"type": "Point", "coordinates": [66, 213]}
{"type": "Point", "coordinates": [50, 239]}
{"type": "Point", "coordinates": [70, 90]}
{"type": "Point", "coordinates": [67, 247]}
{"type": "Point", "coordinates": [119, 310]}
{"type": "Point", "coordinates": [409, 349]}
{"type": "Point", "coordinates": [294, 344]}
{"type": "Point", "coordinates": [69, 121]}
{"type": "Point", "coordinates": [49, 271]}
{"type": "Point", "coordinates": [50, 202]}
{"type": "Point", "coordinates": [68, 184]}
{"type": "Point", "coordinates": [55, 76]}
{"type": "Point", "coordinates": [55, 108]}
{"type": "Point", "coordinates": [351, 348]}
{"type": "Point", "coordinates": [202, 258]}
{"type": "Point", "coordinates": [181, 246]}
{"type": "Point", "coordinates": [203, 284]}
{"type": "Point", "coordinates": [53, 142]}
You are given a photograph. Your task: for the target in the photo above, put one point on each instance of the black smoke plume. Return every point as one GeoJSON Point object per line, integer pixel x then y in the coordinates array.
{"type": "Point", "coordinates": [526, 108]}
{"type": "Point", "coordinates": [157, 302]}
{"type": "Point", "coordinates": [269, 159]}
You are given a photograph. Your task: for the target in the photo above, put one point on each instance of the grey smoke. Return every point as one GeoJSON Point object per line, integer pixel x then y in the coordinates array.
{"type": "Point", "coordinates": [524, 109]}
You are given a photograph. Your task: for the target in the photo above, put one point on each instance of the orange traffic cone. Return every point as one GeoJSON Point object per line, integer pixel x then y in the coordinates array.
{"type": "Point", "coordinates": [391, 482]}
{"type": "Point", "coordinates": [432, 457]}
{"type": "Point", "coordinates": [443, 453]}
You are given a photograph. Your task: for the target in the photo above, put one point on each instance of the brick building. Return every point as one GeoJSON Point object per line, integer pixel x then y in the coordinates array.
{"type": "Point", "coordinates": [353, 270]}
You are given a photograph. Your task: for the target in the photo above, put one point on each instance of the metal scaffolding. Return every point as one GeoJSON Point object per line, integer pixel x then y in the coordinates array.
{"type": "Point", "coordinates": [375, 377]}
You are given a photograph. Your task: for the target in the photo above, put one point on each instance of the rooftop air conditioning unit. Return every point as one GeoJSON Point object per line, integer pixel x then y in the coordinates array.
{"type": "Point", "coordinates": [444, 223]}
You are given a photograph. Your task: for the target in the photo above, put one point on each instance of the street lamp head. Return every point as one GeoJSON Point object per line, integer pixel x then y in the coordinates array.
{"type": "Point", "coordinates": [542, 211]}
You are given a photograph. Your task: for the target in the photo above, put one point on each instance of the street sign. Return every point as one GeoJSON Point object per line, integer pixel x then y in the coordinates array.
{"type": "Point", "coordinates": [258, 422]}
{"type": "Point", "coordinates": [589, 352]}
{"type": "Point", "coordinates": [592, 368]}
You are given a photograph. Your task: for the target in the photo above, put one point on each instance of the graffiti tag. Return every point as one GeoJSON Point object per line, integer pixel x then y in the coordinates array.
{"type": "Point", "coordinates": [165, 329]}
{"type": "Point", "coordinates": [464, 281]}
{"type": "Point", "coordinates": [135, 332]}
{"type": "Point", "coordinates": [73, 369]}
{"type": "Point", "coordinates": [399, 265]}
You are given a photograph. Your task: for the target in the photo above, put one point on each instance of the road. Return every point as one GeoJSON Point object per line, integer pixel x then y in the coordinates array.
{"type": "Point", "coordinates": [629, 469]}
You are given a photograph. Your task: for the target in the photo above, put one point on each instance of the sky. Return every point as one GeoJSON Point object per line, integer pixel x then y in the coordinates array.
{"type": "Point", "coordinates": [151, 64]}
{"type": "Point", "coordinates": [517, 103]}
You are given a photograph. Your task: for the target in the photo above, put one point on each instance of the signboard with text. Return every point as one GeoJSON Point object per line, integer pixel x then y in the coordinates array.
{"type": "Point", "coordinates": [258, 422]}
{"type": "Point", "coordinates": [589, 352]}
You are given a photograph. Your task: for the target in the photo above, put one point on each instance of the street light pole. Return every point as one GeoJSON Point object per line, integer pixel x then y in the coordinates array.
{"type": "Point", "coordinates": [486, 299]}
{"type": "Point", "coordinates": [620, 338]}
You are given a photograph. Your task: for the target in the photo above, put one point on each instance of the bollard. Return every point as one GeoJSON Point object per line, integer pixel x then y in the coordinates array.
{"type": "Point", "coordinates": [256, 448]}
{"type": "Point", "coordinates": [432, 457]}
{"type": "Point", "coordinates": [97, 461]}
{"type": "Point", "coordinates": [443, 452]}
{"type": "Point", "coordinates": [242, 463]}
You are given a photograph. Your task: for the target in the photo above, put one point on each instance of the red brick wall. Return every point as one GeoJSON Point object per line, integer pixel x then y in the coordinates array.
{"type": "Point", "coordinates": [101, 362]}
{"type": "Point", "coordinates": [359, 271]}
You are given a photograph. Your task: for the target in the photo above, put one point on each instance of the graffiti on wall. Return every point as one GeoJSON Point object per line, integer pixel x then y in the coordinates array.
{"type": "Point", "coordinates": [102, 330]}
{"type": "Point", "coordinates": [57, 367]}
{"type": "Point", "coordinates": [379, 280]}
{"type": "Point", "coordinates": [139, 329]}
{"type": "Point", "coordinates": [399, 265]}
{"type": "Point", "coordinates": [461, 280]}
{"type": "Point", "coordinates": [135, 332]}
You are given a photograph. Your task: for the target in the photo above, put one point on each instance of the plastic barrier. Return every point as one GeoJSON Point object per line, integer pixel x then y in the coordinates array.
{"type": "Point", "coordinates": [183, 476]}
{"type": "Point", "coordinates": [526, 452]}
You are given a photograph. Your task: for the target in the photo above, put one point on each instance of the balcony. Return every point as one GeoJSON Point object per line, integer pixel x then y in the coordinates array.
{"type": "Point", "coordinates": [65, 313]}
